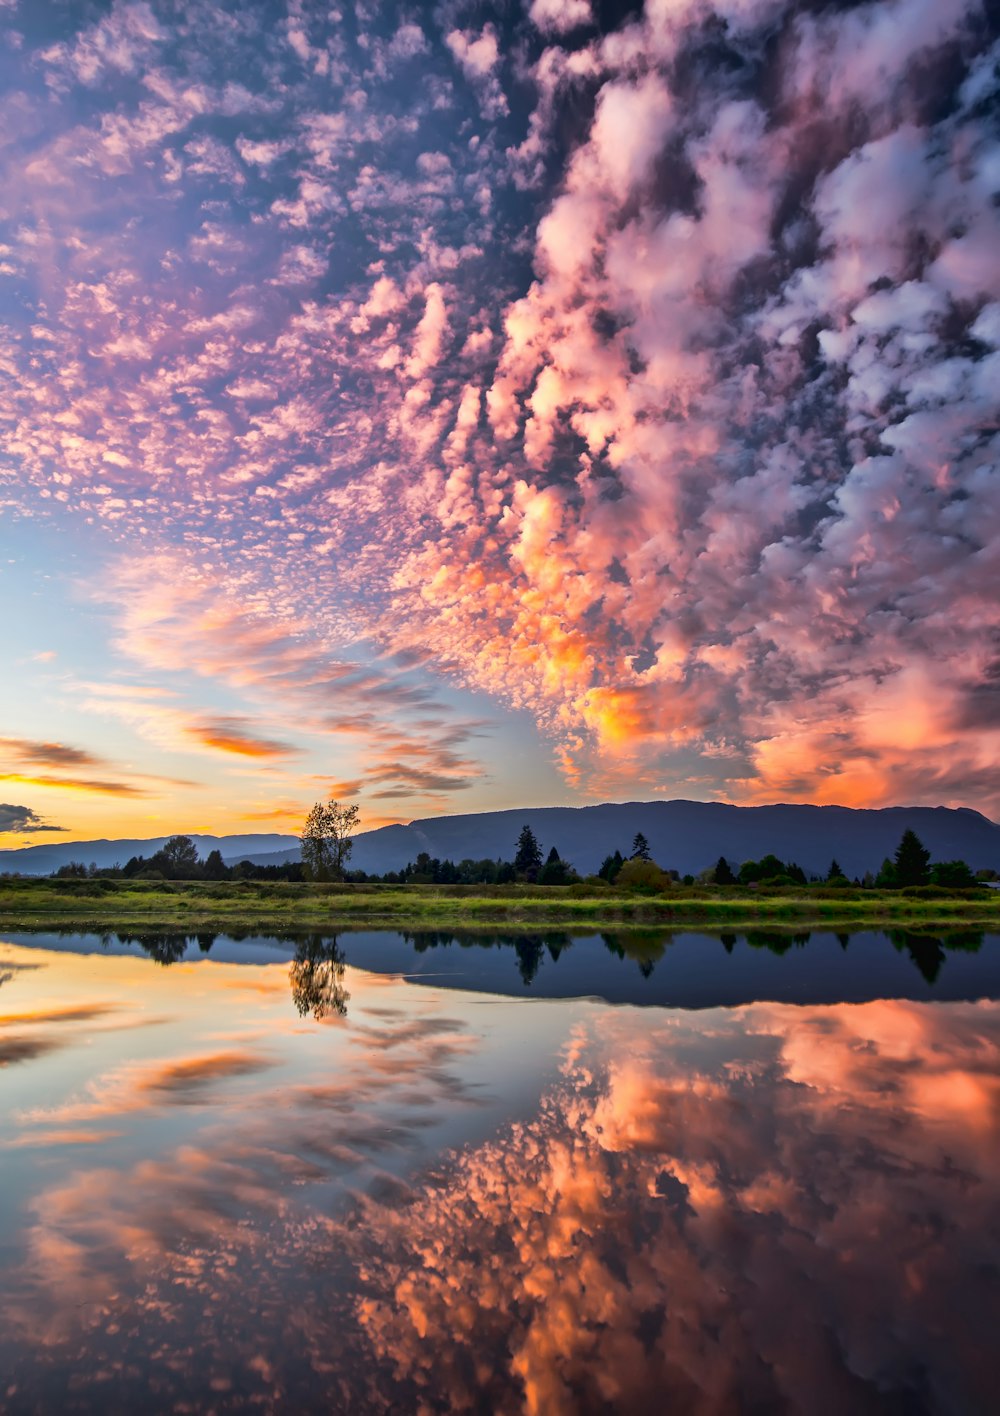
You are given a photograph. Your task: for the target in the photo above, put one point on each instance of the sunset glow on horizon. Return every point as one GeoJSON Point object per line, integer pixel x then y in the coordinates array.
{"type": "Point", "coordinates": [459, 407]}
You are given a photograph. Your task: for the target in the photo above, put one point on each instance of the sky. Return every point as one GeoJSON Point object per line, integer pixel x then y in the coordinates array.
{"type": "Point", "coordinates": [449, 407]}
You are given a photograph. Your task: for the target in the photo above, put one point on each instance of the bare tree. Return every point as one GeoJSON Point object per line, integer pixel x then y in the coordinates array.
{"type": "Point", "coordinates": [327, 839]}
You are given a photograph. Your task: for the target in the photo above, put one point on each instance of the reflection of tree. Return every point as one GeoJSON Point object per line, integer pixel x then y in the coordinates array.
{"type": "Point", "coordinates": [645, 948]}
{"type": "Point", "coordinates": [317, 978]}
{"type": "Point", "coordinates": [771, 939]}
{"type": "Point", "coordinates": [728, 942]}
{"type": "Point", "coordinates": [970, 941]}
{"type": "Point", "coordinates": [163, 949]}
{"type": "Point", "coordinates": [926, 951]}
{"type": "Point", "coordinates": [530, 950]}
{"type": "Point", "coordinates": [205, 942]}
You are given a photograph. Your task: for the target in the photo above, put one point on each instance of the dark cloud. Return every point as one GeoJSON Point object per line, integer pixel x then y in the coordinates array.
{"type": "Point", "coordinates": [48, 754]}
{"type": "Point", "coordinates": [23, 819]}
{"type": "Point", "coordinates": [25, 1049]}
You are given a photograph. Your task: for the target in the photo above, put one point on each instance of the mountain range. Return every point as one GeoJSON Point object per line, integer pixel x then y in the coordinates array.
{"type": "Point", "coordinates": [686, 836]}
{"type": "Point", "coordinates": [43, 860]}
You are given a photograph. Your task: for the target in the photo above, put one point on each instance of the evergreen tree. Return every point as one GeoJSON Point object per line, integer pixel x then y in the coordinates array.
{"type": "Point", "coordinates": [528, 858]}
{"type": "Point", "coordinates": [610, 867]}
{"type": "Point", "coordinates": [886, 877]}
{"type": "Point", "coordinates": [640, 848]}
{"type": "Point", "coordinates": [553, 872]}
{"type": "Point", "coordinates": [912, 860]}
{"type": "Point", "coordinates": [835, 872]}
{"type": "Point", "coordinates": [556, 871]}
{"type": "Point", "coordinates": [723, 872]}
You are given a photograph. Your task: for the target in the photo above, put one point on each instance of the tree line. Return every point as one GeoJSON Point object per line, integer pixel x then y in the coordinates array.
{"type": "Point", "coordinates": [327, 842]}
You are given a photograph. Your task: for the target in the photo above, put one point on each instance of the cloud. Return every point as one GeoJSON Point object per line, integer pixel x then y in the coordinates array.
{"type": "Point", "coordinates": [639, 375]}
{"type": "Point", "coordinates": [233, 735]}
{"type": "Point", "coordinates": [175, 617]}
{"type": "Point", "coordinates": [560, 16]}
{"type": "Point", "coordinates": [22, 819]}
{"type": "Point", "coordinates": [479, 56]}
{"type": "Point", "coordinates": [75, 784]}
{"type": "Point", "coordinates": [31, 754]}
{"type": "Point", "coordinates": [48, 754]}
{"type": "Point", "coordinates": [59, 1137]}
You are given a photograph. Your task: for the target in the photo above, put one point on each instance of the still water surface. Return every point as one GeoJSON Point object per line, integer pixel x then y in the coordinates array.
{"type": "Point", "coordinates": [383, 1172]}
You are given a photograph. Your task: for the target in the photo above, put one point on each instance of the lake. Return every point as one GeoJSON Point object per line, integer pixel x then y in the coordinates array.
{"type": "Point", "coordinates": [540, 1173]}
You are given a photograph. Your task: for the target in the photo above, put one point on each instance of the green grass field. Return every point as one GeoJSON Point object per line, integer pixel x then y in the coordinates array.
{"type": "Point", "coordinates": [275, 906]}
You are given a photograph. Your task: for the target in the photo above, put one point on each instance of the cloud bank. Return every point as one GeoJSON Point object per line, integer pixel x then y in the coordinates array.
{"type": "Point", "coordinates": [642, 378]}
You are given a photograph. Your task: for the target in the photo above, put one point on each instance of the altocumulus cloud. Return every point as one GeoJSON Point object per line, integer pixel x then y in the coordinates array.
{"type": "Point", "coordinates": [643, 377]}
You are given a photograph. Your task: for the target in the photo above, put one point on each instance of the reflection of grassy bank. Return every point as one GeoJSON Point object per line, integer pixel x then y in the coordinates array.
{"type": "Point", "coordinates": [274, 906]}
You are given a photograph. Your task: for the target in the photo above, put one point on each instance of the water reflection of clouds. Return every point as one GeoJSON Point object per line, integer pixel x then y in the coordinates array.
{"type": "Point", "coordinates": [140, 1086]}
{"type": "Point", "coordinates": [773, 1207]}
{"type": "Point", "coordinates": [804, 1231]}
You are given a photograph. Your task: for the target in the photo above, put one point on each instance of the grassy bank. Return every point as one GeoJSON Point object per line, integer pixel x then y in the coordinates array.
{"type": "Point", "coordinates": [266, 906]}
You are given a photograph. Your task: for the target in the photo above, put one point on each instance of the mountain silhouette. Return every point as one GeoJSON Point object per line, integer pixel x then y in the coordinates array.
{"type": "Point", "coordinates": [687, 836]}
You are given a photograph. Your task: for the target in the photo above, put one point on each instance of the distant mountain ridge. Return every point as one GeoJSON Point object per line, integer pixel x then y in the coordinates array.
{"type": "Point", "coordinates": [42, 860]}
{"type": "Point", "coordinates": [687, 836]}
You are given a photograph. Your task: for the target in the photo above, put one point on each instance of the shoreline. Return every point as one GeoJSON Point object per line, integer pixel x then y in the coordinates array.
{"type": "Point", "coordinates": [267, 907]}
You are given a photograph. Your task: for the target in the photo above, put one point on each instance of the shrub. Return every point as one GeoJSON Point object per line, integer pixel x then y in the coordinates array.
{"type": "Point", "coordinates": [642, 875]}
{"type": "Point", "coordinates": [953, 875]}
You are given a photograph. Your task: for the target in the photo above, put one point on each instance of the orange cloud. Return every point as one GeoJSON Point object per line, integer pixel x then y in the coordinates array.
{"type": "Point", "coordinates": [75, 784]}
{"type": "Point", "coordinates": [232, 735]}
{"type": "Point", "coordinates": [59, 1137]}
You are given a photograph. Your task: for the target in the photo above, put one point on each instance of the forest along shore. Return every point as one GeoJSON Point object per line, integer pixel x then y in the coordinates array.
{"type": "Point", "coordinates": [104, 904]}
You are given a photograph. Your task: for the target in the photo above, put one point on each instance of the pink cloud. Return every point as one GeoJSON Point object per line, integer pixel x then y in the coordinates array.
{"type": "Point", "coordinates": [708, 492]}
